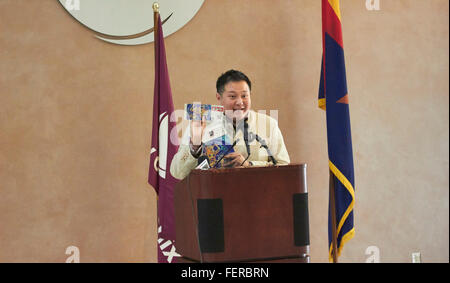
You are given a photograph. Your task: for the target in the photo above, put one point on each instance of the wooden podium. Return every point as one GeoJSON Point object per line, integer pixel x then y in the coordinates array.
{"type": "Point", "coordinates": [256, 214]}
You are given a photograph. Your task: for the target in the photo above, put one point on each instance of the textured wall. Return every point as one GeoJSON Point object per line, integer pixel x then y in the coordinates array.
{"type": "Point", "coordinates": [75, 122]}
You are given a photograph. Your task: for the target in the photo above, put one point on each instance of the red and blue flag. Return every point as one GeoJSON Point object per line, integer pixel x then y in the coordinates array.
{"type": "Point", "coordinates": [333, 98]}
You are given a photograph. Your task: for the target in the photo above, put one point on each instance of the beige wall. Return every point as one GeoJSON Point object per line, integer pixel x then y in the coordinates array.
{"type": "Point", "coordinates": [75, 122]}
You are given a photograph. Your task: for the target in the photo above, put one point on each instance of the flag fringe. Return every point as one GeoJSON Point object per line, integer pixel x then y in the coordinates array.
{"type": "Point", "coordinates": [341, 177]}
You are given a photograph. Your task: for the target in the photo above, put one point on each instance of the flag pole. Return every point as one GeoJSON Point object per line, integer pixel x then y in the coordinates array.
{"type": "Point", "coordinates": [155, 20]}
{"type": "Point", "coordinates": [155, 43]}
{"type": "Point", "coordinates": [333, 218]}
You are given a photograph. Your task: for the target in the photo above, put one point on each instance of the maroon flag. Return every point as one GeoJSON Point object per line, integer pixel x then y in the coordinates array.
{"type": "Point", "coordinates": [163, 149]}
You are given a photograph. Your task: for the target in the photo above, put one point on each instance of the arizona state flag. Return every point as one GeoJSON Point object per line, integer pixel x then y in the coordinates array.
{"type": "Point", "coordinates": [333, 98]}
{"type": "Point", "coordinates": [164, 147]}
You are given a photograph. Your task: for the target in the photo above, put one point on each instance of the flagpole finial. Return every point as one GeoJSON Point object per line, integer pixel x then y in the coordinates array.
{"type": "Point", "coordinates": [156, 7]}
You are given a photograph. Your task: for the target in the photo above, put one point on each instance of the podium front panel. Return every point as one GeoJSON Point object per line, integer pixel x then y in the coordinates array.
{"type": "Point", "coordinates": [243, 214]}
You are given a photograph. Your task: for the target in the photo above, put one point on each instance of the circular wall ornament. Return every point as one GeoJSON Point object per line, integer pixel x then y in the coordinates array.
{"type": "Point", "coordinates": [128, 22]}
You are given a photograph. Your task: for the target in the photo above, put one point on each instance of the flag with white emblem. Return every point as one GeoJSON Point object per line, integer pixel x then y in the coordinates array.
{"type": "Point", "coordinates": [163, 149]}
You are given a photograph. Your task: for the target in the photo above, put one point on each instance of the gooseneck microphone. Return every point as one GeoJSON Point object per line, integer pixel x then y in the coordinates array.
{"type": "Point", "coordinates": [246, 137]}
{"type": "Point", "coordinates": [264, 145]}
{"type": "Point", "coordinates": [246, 140]}
{"type": "Point", "coordinates": [250, 137]}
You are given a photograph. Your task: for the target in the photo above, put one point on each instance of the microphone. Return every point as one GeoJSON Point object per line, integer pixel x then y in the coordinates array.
{"type": "Point", "coordinates": [202, 158]}
{"type": "Point", "coordinates": [203, 163]}
{"type": "Point", "coordinates": [263, 143]}
{"type": "Point", "coordinates": [246, 138]}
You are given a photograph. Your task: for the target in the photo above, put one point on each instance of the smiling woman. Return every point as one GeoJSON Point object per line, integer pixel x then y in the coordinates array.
{"type": "Point", "coordinates": [118, 22]}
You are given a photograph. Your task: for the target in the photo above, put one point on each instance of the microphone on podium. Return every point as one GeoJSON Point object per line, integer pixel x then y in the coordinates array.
{"type": "Point", "coordinates": [203, 163]}
{"type": "Point", "coordinates": [250, 137]}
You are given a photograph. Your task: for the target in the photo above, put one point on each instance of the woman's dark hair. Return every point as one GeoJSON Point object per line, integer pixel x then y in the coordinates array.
{"type": "Point", "coordinates": [231, 76]}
